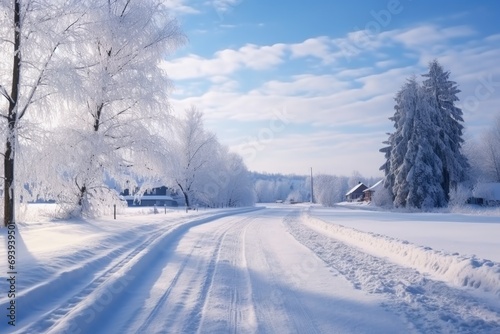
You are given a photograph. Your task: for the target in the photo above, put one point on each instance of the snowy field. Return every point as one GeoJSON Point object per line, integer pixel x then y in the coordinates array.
{"type": "Point", "coordinates": [271, 269]}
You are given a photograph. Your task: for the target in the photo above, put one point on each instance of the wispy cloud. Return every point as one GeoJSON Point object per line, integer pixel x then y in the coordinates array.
{"type": "Point", "coordinates": [428, 35]}
{"type": "Point", "coordinates": [319, 47]}
{"type": "Point", "coordinates": [180, 7]}
{"type": "Point", "coordinates": [225, 62]}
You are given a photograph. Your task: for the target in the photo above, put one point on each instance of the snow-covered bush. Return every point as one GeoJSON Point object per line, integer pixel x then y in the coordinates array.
{"type": "Point", "coordinates": [382, 197]}
{"type": "Point", "coordinates": [459, 196]}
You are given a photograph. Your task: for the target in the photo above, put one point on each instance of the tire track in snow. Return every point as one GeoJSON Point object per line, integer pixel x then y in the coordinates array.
{"type": "Point", "coordinates": [427, 305]}
{"type": "Point", "coordinates": [228, 307]}
{"type": "Point", "coordinates": [86, 310]}
{"type": "Point", "coordinates": [279, 309]}
{"type": "Point", "coordinates": [178, 288]}
{"type": "Point", "coordinates": [163, 299]}
{"type": "Point", "coordinates": [51, 317]}
{"type": "Point", "coordinates": [195, 316]}
{"type": "Point", "coordinates": [47, 294]}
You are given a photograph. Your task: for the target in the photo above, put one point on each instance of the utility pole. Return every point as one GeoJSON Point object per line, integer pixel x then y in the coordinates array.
{"type": "Point", "coordinates": [312, 193]}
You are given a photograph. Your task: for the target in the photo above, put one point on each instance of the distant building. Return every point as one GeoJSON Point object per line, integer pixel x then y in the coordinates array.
{"type": "Point", "coordinates": [356, 194]}
{"type": "Point", "coordinates": [486, 194]}
{"type": "Point", "coordinates": [159, 196]}
{"type": "Point", "coordinates": [368, 192]}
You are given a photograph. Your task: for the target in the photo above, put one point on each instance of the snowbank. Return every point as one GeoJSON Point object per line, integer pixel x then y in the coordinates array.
{"type": "Point", "coordinates": [454, 269]}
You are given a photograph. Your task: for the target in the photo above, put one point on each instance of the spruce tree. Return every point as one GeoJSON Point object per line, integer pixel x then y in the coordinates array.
{"type": "Point", "coordinates": [424, 167]}
{"type": "Point", "coordinates": [424, 160]}
{"type": "Point", "coordinates": [401, 160]}
{"type": "Point", "coordinates": [447, 119]}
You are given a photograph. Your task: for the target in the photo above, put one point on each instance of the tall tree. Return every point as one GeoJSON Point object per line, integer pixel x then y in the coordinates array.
{"type": "Point", "coordinates": [413, 170]}
{"type": "Point", "coordinates": [192, 150]}
{"type": "Point", "coordinates": [120, 104]}
{"type": "Point", "coordinates": [402, 158]}
{"type": "Point", "coordinates": [227, 182]}
{"type": "Point", "coordinates": [30, 38]}
{"type": "Point", "coordinates": [424, 159]}
{"type": "Point", "coordinates": [406, 100]}
{"type": "Point", "coordinates": [447, 120]}
{"type": "Point", "coordinates": [422, 167]}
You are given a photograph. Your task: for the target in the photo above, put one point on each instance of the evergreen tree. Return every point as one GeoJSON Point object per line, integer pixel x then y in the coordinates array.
{"type": "Point", "coordinates": [447, 119]}
{"type": "Point", "coordinates": [423, 157]}
{"type": "Point", "coordinates": [400, 159]}
{"type": "Point", "coordinates": [423, 179]}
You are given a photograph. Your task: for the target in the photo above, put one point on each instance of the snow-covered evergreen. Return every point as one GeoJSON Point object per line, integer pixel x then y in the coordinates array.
{"type": "Point", "coordinates": [424, 177]}
{"type": "Point", "coordinates": [448, 121]}
{"type": "Point", "coordinates": [424, 160]}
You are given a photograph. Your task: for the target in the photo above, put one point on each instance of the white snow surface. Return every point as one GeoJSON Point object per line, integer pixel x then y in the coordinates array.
{"type": "Point", "coordinates": [274, 269]}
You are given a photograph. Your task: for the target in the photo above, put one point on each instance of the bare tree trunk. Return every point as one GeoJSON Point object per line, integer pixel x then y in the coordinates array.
{"type": "Point", "coordinates": [9, 217]}
{"type": "Point", "coordinates": [81, 196]}
{"type": "Point", "coordinates": [185, 193]}
{"type": "Point", "coordinates": [186, 198]}
{"type": "Point", "coordinates": [10, 145]}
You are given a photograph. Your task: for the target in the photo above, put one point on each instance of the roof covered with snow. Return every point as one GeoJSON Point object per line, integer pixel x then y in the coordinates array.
{"type": "Point", "coordinates": [489, 191]}
{"type": "Point", "coordinates": [374, 187]}
{"type": "Point", "coordinates": [359, 186]}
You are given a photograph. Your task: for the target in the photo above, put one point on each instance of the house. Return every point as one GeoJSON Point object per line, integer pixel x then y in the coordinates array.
{"type": "Point", "coordinates": [368, 192]}
{"type": "Point", "coordinates": [159, 196]}
{"type": "Point", "coordinates": [356, 193]}
{"type": "Point", "coordinates": [486, 194]}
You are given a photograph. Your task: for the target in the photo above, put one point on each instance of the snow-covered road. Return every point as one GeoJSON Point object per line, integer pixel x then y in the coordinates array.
{"type": "Point", "coordinates": [274, 270]}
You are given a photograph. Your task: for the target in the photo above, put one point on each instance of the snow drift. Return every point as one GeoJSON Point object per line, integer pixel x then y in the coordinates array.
{"type": "Point", "coordinates": [453, 268]}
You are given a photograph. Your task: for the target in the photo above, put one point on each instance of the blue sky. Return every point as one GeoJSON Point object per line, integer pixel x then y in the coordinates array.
{"type": "Point", "coordinates": [299, 84]}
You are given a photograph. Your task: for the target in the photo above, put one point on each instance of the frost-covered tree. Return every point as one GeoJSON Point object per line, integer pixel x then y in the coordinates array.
{"type": "Point", "coordinates": [355, 179]}
{"type": "Point", "coordinates": [415, 168]}
{"type": "Point", "coordinates": [398, 141]}
{"type": "Point", "coordinates": [424, 159]}
{"type": "Point", "coordinates": [263, 191]}
{"type": "Point", "coordinates": [331, 189]}
{"type": "Point", "coordinates": [484, 154]}
{"type": "Point", "coordinates": [388, 181]}
{"type": "Point", "coordinates": [192, 149]}
{"type": "Point", "coordinates": [489, 150]}
{"type": "Point", "coordinates": [447, 120]}
{"type": "Point", "coordinates": [111, 127]}
{"type": "Point", "coordinates": [31, 35]}
{"type": "Point", "coordinates": [204, 171]}
{"type": "Point", "coordinates": [423, 177]}
{"type": "Point", "coordinates": [238, 187]}
{"type": "Point", "coordinates": [273, 187]}
{"type": "Point", "coordinates": [227, 181]}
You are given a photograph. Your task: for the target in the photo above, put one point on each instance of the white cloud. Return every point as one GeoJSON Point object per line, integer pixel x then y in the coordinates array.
{"type": "Point", "coordinates": [225, 62]}
{"type": "Point", "coordinates": [425, 36]}
{"type": "Point", "coordinates": [305, 84]}
{"type": "Point", "coordinates": [319, 47]}
{"type": "Point", "coordinates": [222, 6]}
{"type": "Point", "coordinates": [180, 7]}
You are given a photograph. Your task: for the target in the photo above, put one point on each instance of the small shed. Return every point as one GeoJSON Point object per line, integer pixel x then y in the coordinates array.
{"type": "Point", "coordinates": [356, 194]}
{"type": "Point", "coordinates": [368, 192]}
